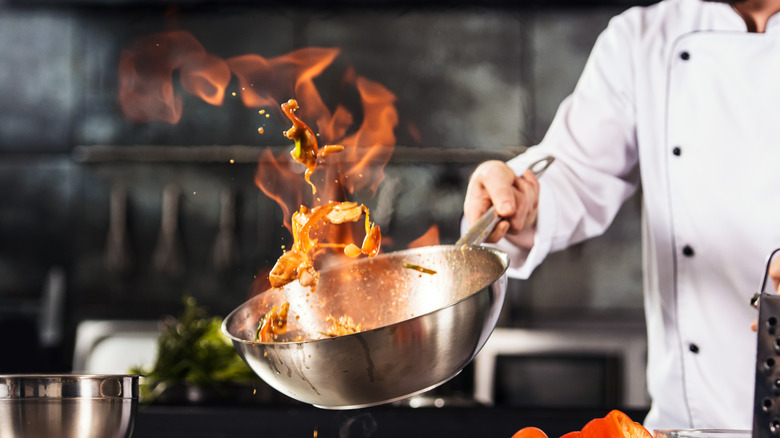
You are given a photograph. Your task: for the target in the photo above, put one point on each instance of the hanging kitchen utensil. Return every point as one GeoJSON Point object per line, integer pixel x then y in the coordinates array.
{"type": "Point", "coordinates": [119, 255]}
{"type": "Point", "coordinates": [225, 249]}
{"type": "Point", "coordinates": [424, 315]}
{"type": "Point", "coordinates": [167, 257]}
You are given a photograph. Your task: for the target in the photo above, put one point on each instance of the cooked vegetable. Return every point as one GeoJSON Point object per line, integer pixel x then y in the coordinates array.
{"type": "Point", "coordinates": [297, 263]}
{"type": "Point", "coordinates": [273, 324]}
{"type": "Point", "coordinates": [419, 268]}
{"type": "Point", "coordinates": [344, 325]}
{"type": "Point", "coordinates": [305, 141]}
{"type": "Point", "coordinates": [306, 150]}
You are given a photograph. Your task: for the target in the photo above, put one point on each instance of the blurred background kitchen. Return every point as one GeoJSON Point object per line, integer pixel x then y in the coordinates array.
{"type": "Point", "coordinates": [106, 218]}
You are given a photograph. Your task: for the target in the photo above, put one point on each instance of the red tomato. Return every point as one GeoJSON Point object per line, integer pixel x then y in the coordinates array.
{"type": "Point", "coordinates": [530, 432]}
{"type": "Point", "coordinates": [575, 434]}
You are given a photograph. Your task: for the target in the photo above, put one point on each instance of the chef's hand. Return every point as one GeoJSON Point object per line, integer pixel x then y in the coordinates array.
{"type": "Point", "coordinates": [516, 199]}
{"type": "Point", "coordinates": [774, 274]}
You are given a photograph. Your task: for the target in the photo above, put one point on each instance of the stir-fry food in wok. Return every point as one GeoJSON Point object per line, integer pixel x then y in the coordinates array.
{"type": "Point", "coordinates": [341, 326]}
{"type": "Point", "coordinates": [298, 262]}
{"type": "Point", "coordinates": [306, 150]}
{"type": "Point", "coordinates": [273, 326]}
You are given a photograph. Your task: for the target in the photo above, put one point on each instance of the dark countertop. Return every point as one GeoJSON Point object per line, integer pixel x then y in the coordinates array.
{"type": "Point", "coordinates": [383, 421]}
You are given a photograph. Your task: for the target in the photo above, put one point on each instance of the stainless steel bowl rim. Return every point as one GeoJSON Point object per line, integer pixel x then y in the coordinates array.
{"type": "Point", "coordinates": [702, 433]}
{"type": "Point", "coordinates": [499, 253]}
{"type": "Point", "coordinates": [68, 386]}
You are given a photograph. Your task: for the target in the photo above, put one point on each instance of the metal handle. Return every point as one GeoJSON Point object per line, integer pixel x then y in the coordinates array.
{"type": "Point", "coordinates": [485, 224]}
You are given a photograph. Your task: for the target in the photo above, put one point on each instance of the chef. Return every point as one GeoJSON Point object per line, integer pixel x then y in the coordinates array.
{"type": "Point", "coordinates": [681, 98]}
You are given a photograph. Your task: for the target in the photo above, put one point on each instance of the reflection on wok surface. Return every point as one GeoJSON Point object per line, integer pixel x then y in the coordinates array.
{"type": "Point", "coordinates": [418, 329]}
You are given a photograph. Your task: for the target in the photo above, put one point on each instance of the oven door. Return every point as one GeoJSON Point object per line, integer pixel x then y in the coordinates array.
{"type": "Point", "coordinates": [566, 368]}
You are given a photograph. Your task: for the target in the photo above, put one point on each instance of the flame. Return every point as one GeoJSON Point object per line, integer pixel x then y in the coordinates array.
{"type": "Point", "coordinates": [429, 238]}
{"type": "Point", "coordinates": [147, 93]}
{"type": "Point", "coordinates": [280, 183]}
{"type": "Point", "coordinates": [268, 82]}
{"type": "Point", "coordinates": [368, 147]}
{"type": "Point", "coordinates": [260, 283]}
{"type": "Point", "coordinates": [206, 76]}
{"type": "Point", "coordinates": [146, 89]}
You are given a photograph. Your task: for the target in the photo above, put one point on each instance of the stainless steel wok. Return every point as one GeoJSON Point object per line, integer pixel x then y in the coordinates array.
{"type": "Point", "coordinates": [418, 330]}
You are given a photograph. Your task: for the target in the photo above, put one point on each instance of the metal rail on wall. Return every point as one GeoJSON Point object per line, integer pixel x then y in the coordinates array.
{"type": "Point", "coordinates": [353, 4]}
{"type": "Point", "coordinates": [251, 154]}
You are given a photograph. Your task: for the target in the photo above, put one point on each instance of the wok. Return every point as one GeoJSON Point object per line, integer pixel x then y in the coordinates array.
{"type": "Point", "coordinates": [418, 330]}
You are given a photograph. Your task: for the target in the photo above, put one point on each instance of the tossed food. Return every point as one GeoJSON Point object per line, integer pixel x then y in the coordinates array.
{"type": "Point", "coordinates": [298, 262]}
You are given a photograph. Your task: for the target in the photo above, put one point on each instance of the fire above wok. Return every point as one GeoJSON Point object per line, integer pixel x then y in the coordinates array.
{"type": "Point", "coordinates": [419, 329]}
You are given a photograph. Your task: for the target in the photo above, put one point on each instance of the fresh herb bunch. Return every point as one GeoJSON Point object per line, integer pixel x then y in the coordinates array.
{"type": "Point", "coordinates": [192, 350]}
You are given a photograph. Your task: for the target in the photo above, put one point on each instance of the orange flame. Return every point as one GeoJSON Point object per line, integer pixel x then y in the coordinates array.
{"type": "Point", "coordinates": [260, 283]}
{"type": "Point", "coordinates": [367, 149]}
{"type": "Point", "coordinates": [429, 238]}
{"type": "Point", "coordinates": [146, 93]}
{"type": "Point", "coordinates": [279, 183]}
{"type": "Point", "coordinates": [268, 82]}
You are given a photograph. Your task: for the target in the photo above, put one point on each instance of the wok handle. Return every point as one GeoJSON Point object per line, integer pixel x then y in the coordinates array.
{"type": "Point", "coordinates": [485, 224]}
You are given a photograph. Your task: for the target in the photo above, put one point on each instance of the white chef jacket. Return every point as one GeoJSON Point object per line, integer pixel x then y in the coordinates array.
{"type": "Point", "coordinates": [680, 97]}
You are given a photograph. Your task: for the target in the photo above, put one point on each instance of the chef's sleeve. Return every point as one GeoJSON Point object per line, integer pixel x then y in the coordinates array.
{"type": "Point", "coordinates": [593, 139]}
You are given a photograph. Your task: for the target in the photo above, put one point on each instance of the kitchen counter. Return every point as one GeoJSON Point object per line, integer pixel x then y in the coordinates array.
{"type": "Point", "coordinates": [383, 421]}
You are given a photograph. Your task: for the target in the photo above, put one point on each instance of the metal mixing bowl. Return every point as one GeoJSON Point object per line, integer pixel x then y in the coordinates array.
{"type": "Point", "coordinates": [419, 330]}
{"type": "Point", "coordinates": [702, 433]}
{"type": "Point", "coordinates": [67, 405]}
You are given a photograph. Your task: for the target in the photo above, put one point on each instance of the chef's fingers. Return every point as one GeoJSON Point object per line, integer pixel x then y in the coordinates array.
{"type": "Point", "coordinates": [492, 183]}
{"type": "Point", "coordinates": [774, 272]}
{"type": "Point", "coordinates": [527, 201]}
{"type": "Point", "coordinates": [498, 232]}
{"type": "Point", "coordinates": [526, 197]}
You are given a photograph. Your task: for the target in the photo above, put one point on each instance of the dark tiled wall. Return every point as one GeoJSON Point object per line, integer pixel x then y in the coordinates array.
{"type": "Point", "coordinates": [481, 80]}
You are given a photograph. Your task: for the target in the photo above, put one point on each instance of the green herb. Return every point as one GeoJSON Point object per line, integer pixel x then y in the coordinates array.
{"type": "Point", "coordinates": [419, 268]}
{"type": "Point", "coordinates": [192, 350]}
